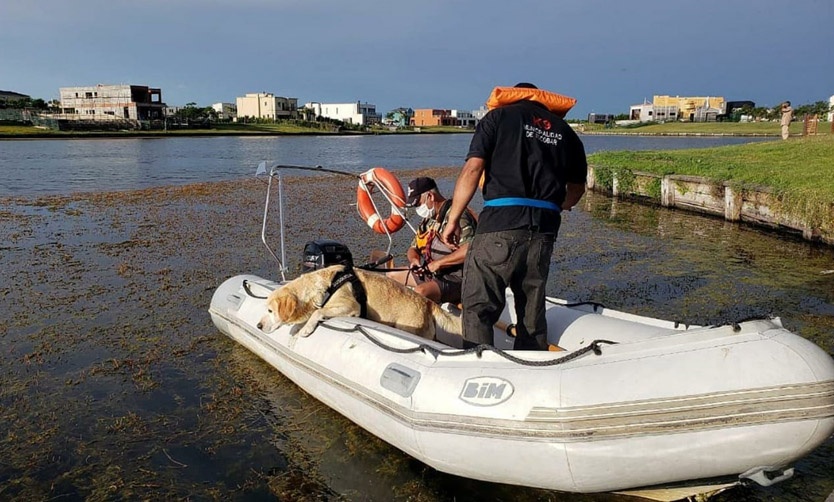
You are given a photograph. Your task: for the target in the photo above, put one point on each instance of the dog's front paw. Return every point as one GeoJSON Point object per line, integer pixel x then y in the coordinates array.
{"type": "Point", "coordinates": [306, 331]}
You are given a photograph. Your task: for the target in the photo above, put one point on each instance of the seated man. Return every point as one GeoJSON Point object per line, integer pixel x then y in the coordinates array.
{"type": "Point", "coordinates": [435, 270]}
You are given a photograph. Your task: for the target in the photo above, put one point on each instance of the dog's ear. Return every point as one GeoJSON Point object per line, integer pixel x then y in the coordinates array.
{"type": "Point", "coordinates": [272, 303]}
{"type": "Point", "coordinates": [287, 305]}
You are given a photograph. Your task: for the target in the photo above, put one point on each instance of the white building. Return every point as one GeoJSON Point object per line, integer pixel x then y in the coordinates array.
{"type": "Point", "coordinates": [464, 118]}
{"type": "Point", "coordinates": [103, 102]}
{"type": "Point", "coordinates": [352, 113]}
{"type": "Point", "coordinates": [265, 105]}
{"type": "Point", "coordinates": [641, 113]}
{"type": "Point", "coordinates": [479, 113]}
{"type": "Point", "coordinates": [225, 111]}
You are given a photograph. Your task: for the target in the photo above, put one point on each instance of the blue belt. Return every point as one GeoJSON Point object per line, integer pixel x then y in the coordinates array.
{"type": "Point", "coordinates": [522, 201]}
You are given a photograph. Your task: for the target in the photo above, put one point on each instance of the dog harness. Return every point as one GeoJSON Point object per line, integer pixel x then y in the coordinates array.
{"type": "Point", "coordinates": [340, 279]}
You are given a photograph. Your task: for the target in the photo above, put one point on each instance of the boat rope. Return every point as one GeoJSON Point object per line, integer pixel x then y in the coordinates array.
{"type": "Point", "coordinates": [594, 346]}
{"type": "Point", "coordinates": [247, 288]}
{"type": "Point", "coordinates": [597, 306]}
{"type": "Point", "coordinates": [736, 324]}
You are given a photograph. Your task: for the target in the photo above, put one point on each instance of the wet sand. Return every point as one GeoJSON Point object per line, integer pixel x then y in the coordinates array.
{"type": "Point", "coordinates": [114, 384]}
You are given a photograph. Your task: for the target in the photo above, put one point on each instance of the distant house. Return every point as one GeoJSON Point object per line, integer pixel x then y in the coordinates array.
{"type": "Point", "coordinates": [9, 96]}
{"type": "Point", "coordinates": [687, 108]}
{"type": "Point", "coordinates": [399, 117]}
{"type": "Point", "coordinates": [600, 118]}
{"type": "Point", "coordinates": [225, 111]}
{"type": "Point", "coordinates": [104, 102]}
{"type": "Point", "coordinates": [433, 117]}
{"type": "Point", "coordinates": [464, 118]}
{"type": "Point", "coordinates": [265, 105]}
{"type": "Point", "coordinates": [731, 107]}
{"type": "Point", "coordinates": [352, 113]}
{"type": "Point", "coordinates": [479, 113]}
{"type": "Point", "coordinates": [642, 113]}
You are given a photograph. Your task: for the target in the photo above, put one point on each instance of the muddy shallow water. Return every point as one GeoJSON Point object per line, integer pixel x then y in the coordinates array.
{"type": "Point", "coordinates": [114, 384]}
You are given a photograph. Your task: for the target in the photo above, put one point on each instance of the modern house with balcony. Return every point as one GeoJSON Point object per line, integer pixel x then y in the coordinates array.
{"type": "Point", "coordinates": [265, 105]}
{"type": "Point", "coordinates": [479, 114]}
{"type": "Point", "coordinates": [433, 117]}
{"type": "Point", "coordinates": [110, 102]}
{"type": "Point", "coordinates": [464, 118]}
{"type": "Point", "coordinates": [225, 111]}
{"type": "Point", "coordinates": [399, 117]}
{"type": "Point", "coordinates": [687, 108]}
{"type": "Point", "coordinates": [357, 113]}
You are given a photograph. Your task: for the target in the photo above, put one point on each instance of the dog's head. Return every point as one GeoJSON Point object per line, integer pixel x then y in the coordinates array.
{"type": "Point", "coordinates": [282, 308]}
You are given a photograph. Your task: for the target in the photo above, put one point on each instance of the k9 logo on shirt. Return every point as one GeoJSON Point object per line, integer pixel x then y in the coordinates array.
{"type": "Point", "coordinates": [541, 123]}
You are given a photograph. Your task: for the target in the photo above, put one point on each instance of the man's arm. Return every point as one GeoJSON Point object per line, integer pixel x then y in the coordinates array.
{"type": "Point", "coordinates": [456, 257]}
{"type": "Point", "coordinates": [574, 193]}
{"type": "Point", "coordinates": [465, 187]}
{"type": "Point", "coordinates": [413, 256]}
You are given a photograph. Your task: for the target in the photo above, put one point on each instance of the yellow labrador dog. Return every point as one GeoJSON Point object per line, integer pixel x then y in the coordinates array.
{"type": "Point", "coordinates": [388, 302]}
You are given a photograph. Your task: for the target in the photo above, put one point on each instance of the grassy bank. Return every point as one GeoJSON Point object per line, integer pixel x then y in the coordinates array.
{"type": "Point", "coordinates": [705, 128]}
{"type": "Point", "coordinates": [799, 170]}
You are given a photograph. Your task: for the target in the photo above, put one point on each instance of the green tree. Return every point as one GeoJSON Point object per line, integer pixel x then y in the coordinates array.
{"type": "Point", "coordinates": [820, 109]}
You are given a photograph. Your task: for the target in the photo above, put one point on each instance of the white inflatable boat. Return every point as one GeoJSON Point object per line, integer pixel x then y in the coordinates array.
{"type": "Point", "coordinates": [632, 402]}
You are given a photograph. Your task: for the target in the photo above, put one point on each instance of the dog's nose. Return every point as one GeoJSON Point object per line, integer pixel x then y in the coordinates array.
{"type": "Point", "coordinates": [261, 326]}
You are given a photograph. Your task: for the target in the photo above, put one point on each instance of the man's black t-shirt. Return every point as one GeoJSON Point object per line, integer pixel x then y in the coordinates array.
{"type": "Point", "coordinates": [529, 152]}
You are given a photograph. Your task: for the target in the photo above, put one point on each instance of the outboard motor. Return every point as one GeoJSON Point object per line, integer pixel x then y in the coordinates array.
{"type": "Point", "coordinates": [322, 253]}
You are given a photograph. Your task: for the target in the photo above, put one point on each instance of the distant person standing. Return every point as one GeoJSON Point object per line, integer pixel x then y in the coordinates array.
{"type": "Point", "coordinates": [787, 116]}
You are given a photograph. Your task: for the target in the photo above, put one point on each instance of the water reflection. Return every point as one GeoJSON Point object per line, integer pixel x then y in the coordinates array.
{"type": "Point", "coordinates": [670, 263]}
{"type": "Point", "coordinates": [64, 166]}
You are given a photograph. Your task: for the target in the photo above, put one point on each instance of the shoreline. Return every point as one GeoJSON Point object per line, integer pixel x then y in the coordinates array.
{"type": "Point", "coordinates": [684, 134]}
{"type": "Point", "coordinates": [204, 134]}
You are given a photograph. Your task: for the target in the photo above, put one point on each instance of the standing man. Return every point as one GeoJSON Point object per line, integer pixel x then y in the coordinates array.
{"type": "Point", "coordinates": [787, 116]}
{"type": "Point", "coordinates": [534, 167]}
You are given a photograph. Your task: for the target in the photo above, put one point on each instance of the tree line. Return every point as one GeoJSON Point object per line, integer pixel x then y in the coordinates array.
{"type": "Point", "coordinates": [819, 108]}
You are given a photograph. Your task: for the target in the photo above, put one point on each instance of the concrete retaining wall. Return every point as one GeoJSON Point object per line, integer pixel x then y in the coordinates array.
{"type": "Point", "coordinates": [693, 193]}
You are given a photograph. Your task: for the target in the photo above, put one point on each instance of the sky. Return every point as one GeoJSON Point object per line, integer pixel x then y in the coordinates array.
{"type": "Point", "coordinates": [608, 54]}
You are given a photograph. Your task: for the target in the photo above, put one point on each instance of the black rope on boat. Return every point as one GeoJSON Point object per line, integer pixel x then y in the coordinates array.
{"type": "Point", "coordinates": [596, 305]}
{"type": "Point", "coordinates": [478, 350]}
{"type": "Point", "coordinates": [736, 323]}
{"type": "Point", "coordinates": [372, 266]}
{"type": "Point", "coordinates": [249, 291]}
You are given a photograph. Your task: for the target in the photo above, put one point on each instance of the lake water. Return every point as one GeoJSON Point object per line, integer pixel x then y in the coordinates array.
{"type": "Point", "coordinates": [114, 382]}
{"type": "Point", "coordinates": [38, 167]}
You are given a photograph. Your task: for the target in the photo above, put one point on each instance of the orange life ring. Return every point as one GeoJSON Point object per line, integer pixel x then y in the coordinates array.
{"type": "Point", "coordinates": [391, 187]}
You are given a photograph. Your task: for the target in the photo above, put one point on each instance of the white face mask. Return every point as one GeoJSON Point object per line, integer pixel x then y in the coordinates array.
{"type": "Point", "coordinates": [425, 211]}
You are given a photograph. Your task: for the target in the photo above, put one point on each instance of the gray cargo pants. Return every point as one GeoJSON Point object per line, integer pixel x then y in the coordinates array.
{"type": "Point", "coordinates": [519, 259]}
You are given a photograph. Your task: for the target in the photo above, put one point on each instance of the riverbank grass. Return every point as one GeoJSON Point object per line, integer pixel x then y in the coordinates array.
{"type": "Point", "coordinates": [799, 171]}
{"type": "Point", "coordinates": [21, 130]}
{"type": "Point", "coordinates": [705, 128]}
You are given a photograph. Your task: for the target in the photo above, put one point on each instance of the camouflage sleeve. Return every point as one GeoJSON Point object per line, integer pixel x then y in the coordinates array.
{"type": "Point", "coordinates": [467, 227]}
